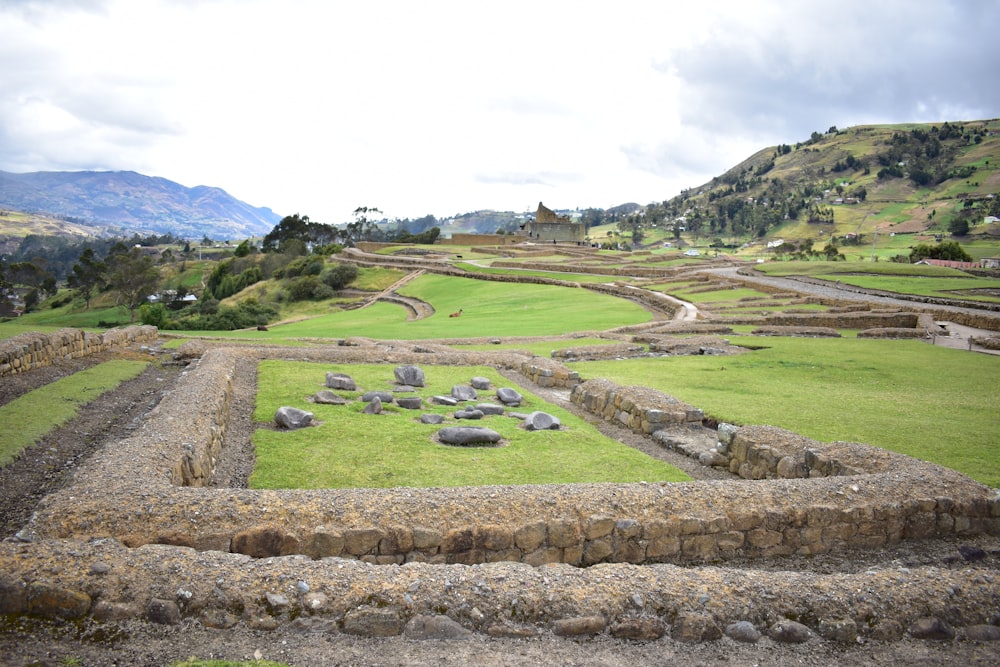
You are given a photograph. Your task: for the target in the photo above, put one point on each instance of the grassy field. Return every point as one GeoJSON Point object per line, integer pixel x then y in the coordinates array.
{"type": "Point", "coordinates": [929, 402]}
{"type": "Point", "coordinates": [351, 449]}
{"type": "Point", "coordinates": [38, 412]}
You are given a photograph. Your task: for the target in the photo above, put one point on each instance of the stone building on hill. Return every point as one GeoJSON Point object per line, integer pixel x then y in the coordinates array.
{"type": "Point", "coordinates": [550, 227]}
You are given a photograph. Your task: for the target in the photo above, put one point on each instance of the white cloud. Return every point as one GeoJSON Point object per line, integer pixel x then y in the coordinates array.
{"type": "Point", "coordinates": [444, 107]}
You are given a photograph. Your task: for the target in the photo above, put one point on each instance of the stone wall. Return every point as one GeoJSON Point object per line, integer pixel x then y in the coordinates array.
{"type": "Point", "coordinates": [143, 535]}
{"type": "Point", "coordinates": [33, 350]}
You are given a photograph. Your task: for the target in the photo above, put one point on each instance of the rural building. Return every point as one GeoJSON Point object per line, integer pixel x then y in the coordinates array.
{"type": "Point", "coordinates": [548, 226]}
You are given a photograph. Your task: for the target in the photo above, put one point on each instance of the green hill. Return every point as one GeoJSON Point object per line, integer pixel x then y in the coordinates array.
{"type": "Point", "coordinates": [925, 181]}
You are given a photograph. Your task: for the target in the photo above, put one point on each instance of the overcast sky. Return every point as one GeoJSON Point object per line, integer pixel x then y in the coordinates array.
{"type": "Point", "coordinates": [422, 106]}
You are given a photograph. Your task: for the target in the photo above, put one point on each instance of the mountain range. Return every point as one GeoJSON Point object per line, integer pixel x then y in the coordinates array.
{"type": "Point", "coordinates": [125, 202]}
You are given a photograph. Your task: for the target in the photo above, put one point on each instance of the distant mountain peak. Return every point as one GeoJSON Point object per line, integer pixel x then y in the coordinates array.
{"type": "Point", "coordinates": [139, 203]}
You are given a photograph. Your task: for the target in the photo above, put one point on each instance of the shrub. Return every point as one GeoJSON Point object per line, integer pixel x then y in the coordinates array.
{"type": "Point", "coordinates": [340, 276]}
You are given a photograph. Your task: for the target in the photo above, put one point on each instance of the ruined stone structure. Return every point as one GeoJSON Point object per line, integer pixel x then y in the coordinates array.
{"type": "Point", "coordinates": [549, 226]}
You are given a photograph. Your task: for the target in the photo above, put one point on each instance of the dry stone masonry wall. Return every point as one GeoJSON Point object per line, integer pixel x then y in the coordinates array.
{"type": "Point", "coordinates": [34, 350]}
{"type": "Point", "coordinates": [137, 533]}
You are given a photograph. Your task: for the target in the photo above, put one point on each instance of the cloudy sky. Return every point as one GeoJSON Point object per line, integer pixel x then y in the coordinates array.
{"type": "Point", "coordinates": [418, 107]}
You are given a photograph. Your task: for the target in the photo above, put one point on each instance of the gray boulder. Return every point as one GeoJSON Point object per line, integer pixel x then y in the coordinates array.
{"type": "Point", "coordinates": [292, 418]}
{"type": "Point", "coordinates": [541, 421]}
{"type": "Point", "coordinates": [340, 381]}
{"type": "Point", "coordinates": [410, 402]}
{"type": "Point", "coordinates": [469, 413]}
{"type": "Point", "coordinates": [490, 408]}
{"type": "Point", "coordinates": [509, 396]}
{"type": "Point", "coordinates": [327, 397]}
{"type": "Point", "coordinates": [374, 407]}
{"type": "Point", "coordinates": [384, 396]}
{"type": "Point", "coordinates": [480, 382]}
{"type": "Point", "coordinates": [409, 375]}
{"type": "Point", "coordinates": [444, 400]}
{"type": "Point", "coordinates": [465, 436]}
{"type": "Point", "coordinates": [431, 418]}
{"type": "Point", "coordinates": [463, 392]}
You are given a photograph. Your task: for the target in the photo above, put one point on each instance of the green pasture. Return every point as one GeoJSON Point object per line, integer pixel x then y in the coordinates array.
{"type": "Point", "coordinates": [46, 408]}
{"type": "Point", "coordinates": [950, 288]}
{"type": "Point", "coordinates": [488, 309]}
{"type": "Point", "coordinates": [351, 449]}
{"type": "Point", "coordinates": [538, 348]}
{"type": "Point", "coordinates": [817, 269]}
{"type": "Point", "coordinates": [556, 273]}
{"type": "Point", "coordinates": [928, 402]}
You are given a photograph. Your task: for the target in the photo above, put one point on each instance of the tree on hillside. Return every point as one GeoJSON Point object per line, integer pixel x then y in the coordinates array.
{"type": "Point", "coordinates": [300, 228]}
{"type": "Point", "coordinates": [948, 250]}
{"type": "Point", "coordinates": [133, 276]}
{"type": "Point", "coordinates": [89, 273]}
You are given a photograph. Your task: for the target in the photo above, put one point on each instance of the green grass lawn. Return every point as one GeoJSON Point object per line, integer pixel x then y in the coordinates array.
{"type": "Point", "coordinates": [488, 309]}
{"type": "Point", "coordinates": [929, 402]}
{"type": "Point", "coordinates": [351, 449]}
{"type": "Point", "coordinates": [949, 288]}
{"type": "Point", "coordinates": [31, 416]}
{"type": "Point", "coordinates": [540, 348]}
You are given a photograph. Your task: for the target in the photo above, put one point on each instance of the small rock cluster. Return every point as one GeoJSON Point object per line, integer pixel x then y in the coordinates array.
{"type": "Point", "coordinates": [410, 377]}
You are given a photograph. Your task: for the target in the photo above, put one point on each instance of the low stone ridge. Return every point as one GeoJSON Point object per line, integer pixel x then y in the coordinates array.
{"type": "Point", "coordinates": [410, 402]}
{"type": "Point", "coordinates": [468, 413]}
{"type": "Point", "coordinates": [805, 332]}
{"type": "Point", "coordinates": [468, 435]}
{"type": "Point", "coordinates": [431, 418]}
{"type": "Point", "coordinates": [608, 351]}
{"type": "Point", "coordinates": [111, 543]}
{"type": "Point", "coordinates": [292, 418]}
{"type": "Point", "coordinates": [490, 408]}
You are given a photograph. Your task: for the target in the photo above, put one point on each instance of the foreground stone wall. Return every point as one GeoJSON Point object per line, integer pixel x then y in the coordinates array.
{"type": "Point", "coordinates": [135, 536]}
{"type": "Point", "coordinates": [34, 350]}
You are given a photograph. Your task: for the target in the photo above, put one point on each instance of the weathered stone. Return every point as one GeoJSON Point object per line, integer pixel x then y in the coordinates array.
{"type": "Point", "coordinates": [843, 630]}
{"type": "Point", "coordinates": [490, 408]}
{"type": "Point", "coordinates": [982, 633]}
{"type": "Point", "coordinates": [444, 400]}
{"type": "Point", "coordinates": [789, 632]}
{"type": "Point", "coordinates": [887, 630]}
{"type": "Point", "coordinates": [410, 402]}
{"type": "Point", "coordinates": [579, 625]}
{"type": "Point", "coordinates": [374, 407]}
{"type": "Point", "coordinates": [639, 629]}
{"type": "Point", "coordinates": [743, 631]}
{"type": "Point", "coordinates": [431, 418]}
{"type": "Point", "coordinates": [292, 418]}
{"type": "Point", "coordinates": [426, 538]}
{"type": "Point", "coordinates": [480, 383]}
{"type": "Point", "coordinates": [361, 541]}
{"type": "Point", "coordinates": [327, 397]}
{"type": "Point", "coordinates": [264, 542]}
{"type": "Point", "coordinates": [372, 622]}
{"type": "Point", "coordinates": [530, 536]}
{"type": "Point", "coordinates": [564, 532]}
{"type": "Point", "coordinates": [541, 421]}
{"type": "Point", "coordinates": [409, 375]}
{"type": "Point", "coordinates": [53, 601]}
{"type": "Point", "coordinates": [164, 612]}
{"type": "Point", "coordinates": [931, 628]}
{"type": "Point", "coordinates": [438, 626]}
{"type": "Point", "coordinates": [340, 381]}
{"type": "Point", "coordinates": [468, 435]}
{"type": "Point", "coordinates": [509, 396]}
{"type": "Point", "coordinates": [789, 468]}
{"type": "Point", "coordinates": [384, 396]}
{"type": "Point", "coordinates": [469, 413]}
{"type": "Point", "coordinates": [695, 627]}
{"type": "Point", "coordinates": [463, 392]}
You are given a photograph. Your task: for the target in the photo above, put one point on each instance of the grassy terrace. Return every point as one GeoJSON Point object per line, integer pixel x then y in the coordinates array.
{"type": "Point", "coordinates": [929, 402]}
{"type": "Point", "coordinates": [352, 449]}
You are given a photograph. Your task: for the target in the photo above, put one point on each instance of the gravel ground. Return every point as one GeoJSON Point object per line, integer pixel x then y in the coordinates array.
{"type": "Point", "coordinates": [49, 464]}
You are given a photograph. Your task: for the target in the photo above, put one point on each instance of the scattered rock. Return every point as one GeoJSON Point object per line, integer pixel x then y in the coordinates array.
{"type": "Point", "coordinates": [509, 396]}
{"type": "Point", "coordinates": [541, 421]}
{"type": "Point", "coordinates": [839, 630]}
{"type": "Point", "coordinates": [410, 402]}
{"type": "Point", "coordinates": [480, 383]}
{"type": "Point", "coordinates": [444, 400]}
{"type": "Point", "coordinates": [431, 418]}
{"type": "Point", "coordinates": [409, 375]}
{"type": "Point", "coordinates": [164, 612]}
{"type": "Point", "coordinates": [369, 622]}
{"type": "Point", "coordinates": [374, 407]}
{"type": "Point", "coordinates": [468, 435]}
{"type": "Point", "coordinates": [292, 418]}
{"type": "Point", "coordinates": [695, 627]}
{"type": "Point", "coordinates": [384, 396]}
{"type": "Point", "coordinates": [982, 633]}
{"type": "Point", "coordinates": [490, 408]}
{"type": "Point", "coordinates": [340, 381]}
{"type": "Point", "coordinates": [579, 625]}
{"type": "Point", "coordinates": [327, 397]}
{"type": "Point", "coordinates": [469, 413]}
{"type": "Point", "coordinates": [639, 629]}
{"type": "Point", "coordinates": [464, 392]}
